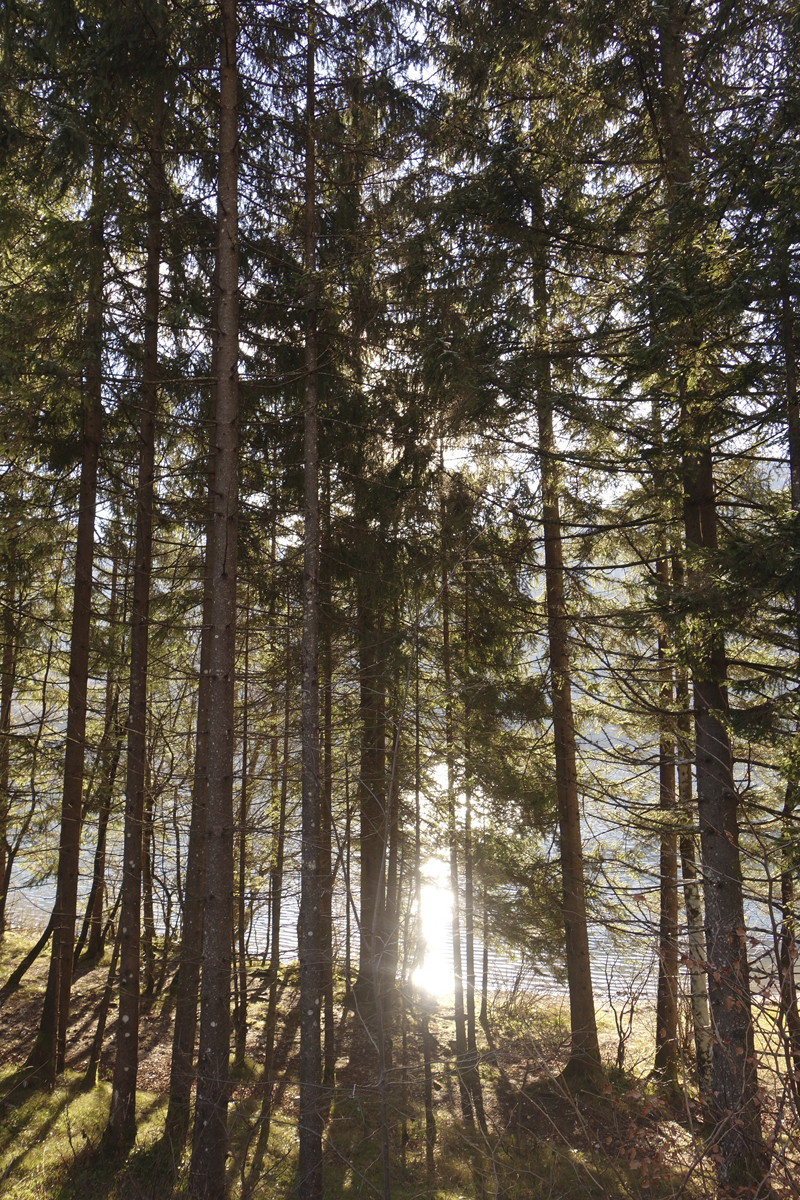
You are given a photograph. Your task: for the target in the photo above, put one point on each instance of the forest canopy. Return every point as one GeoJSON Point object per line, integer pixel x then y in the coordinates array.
{"type": "Point", "coordinates": [399, 598]}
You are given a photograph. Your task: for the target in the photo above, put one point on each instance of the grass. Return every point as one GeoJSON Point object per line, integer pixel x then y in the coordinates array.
{"type": "Point", "coordinates": [49, 1143]}
{"type": "Point", "coordinates": [624, 1143]}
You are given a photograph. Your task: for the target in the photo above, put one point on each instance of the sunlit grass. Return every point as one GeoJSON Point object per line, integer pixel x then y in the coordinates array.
{"type": "Point", "coordinates": [49, 1143]}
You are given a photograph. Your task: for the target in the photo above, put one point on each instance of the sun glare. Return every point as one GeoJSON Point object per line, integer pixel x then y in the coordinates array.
{"type": "Point", "coordinates": [435, 973]}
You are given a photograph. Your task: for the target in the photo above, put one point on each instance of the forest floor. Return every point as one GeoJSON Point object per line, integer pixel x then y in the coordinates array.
{"type": "Point", "coordinates": [541, 1140]}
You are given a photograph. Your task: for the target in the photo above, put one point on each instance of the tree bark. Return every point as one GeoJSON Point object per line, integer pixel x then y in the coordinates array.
{"type": "Point", "coordinates": [788, 949]}
{"type": "Point", "coordinates": [276, 896]}
{"type": "Point", "coordinates": [452, 831]}
{"type": "Point", "coordinates": [326, 870]}
{"type": "Point", "coordinates": [110, 750]}
{"type": "Point", "coordinates": [666, 1057]}
{"type": "Point", "coordinates": [33, 807]}
{"type": "Point", "coordinates": [240, 1009]}
{"type": "Point", "coordinates": [210, 1139]}
{"type": "Point", "coordinates": [310, 950]}
{"type": "Point", "coordinates": [20, 971]}
{"type": "Point", "coordinates": [734, 1074]}
{"type": "Point", "coordinates": [109, 754]}
{"type": "Point", "coordinates": [393, 871]}
{"type": "Point", "coordinates": [121, 1129]}
{"type": "Point", "coordinates": [736, 1108]}
{"type": "Point", "coordinates": [90, 1077]}
{"type": "Point", "coordinates": [188, 982]}
{"type": "Point", "coordinates": [7, 678]}
{"type": "Point", "coordinates": [148, 907]}
{"type": "Point", "coordinates": [46, 1058]}
{"type": "Point", "coordinates": [584, 1056]}
{"type": "Point", "coordinates": [371, 790]}
{"type": "Point", "coordinates": [483, 1016]}
{"type": "Point", "coordinates": [430, 1118]}
{"type": "Point", "coordinates": [473, 1074]}
{"type": "Point", "coordinates": [348, 898]}
{"type": "Point", "coordinates": [692, 890]}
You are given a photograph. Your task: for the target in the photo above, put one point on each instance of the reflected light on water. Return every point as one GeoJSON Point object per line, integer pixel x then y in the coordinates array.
{"type": "Point", "coordinates": [435, 973]}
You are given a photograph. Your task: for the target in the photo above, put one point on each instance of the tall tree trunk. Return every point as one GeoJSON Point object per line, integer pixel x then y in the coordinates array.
{"type": "Point", "coordinates": [33, 807]}
{"type": "Point", "coordinates": [584, 1057]}
{"type": "Point", "coordinates": [47, 1055]}
{"type": "Point", "coordinates": [483, 1016]}
{"type": "Point", "coordinates": [666, 1056]}
{"type": "Point", "coordinates": [90, 1076]}
{"type": "Point", "coordinates": [110, 750]}
{"type": "Point", "coordinates": [788, 936]}
{"type": "Point", "coordinates": [188, 982]}
{"type": "Point", "coordinates": [121, 1128]}
{"type": "Point", "coordinates": [390, 934]}
{"type": "Point", "coordinates": [21, 970]}
{"type": "Point", "coordinates": [734, 1075]}
{"type": "Point", "coordinates": [276, 896]}
{"type": "Point", "coordinates": [348, 891]}
{"type": "Point", "coordinates": [692, 890]}
{"type": "Point", "coordinates": [7, 676]}
{"type": "Point", "coordinates": [148, 906]}
{"type": "Point", "coordinates": [371, 789]}
{"type": "Point", "coordinates": [455, 888]}
{"type": "Point", "coordinates": [735, 1084]}
{"type": "Point", "coordinates": [326, 867]}
{"type": "Point", "coordinates": [430, 1119]}
{"type": "Point", "coordinates": [92, 926]}
{"type": "Point", "coordinates": [473, 1074]}
{"type": "Point", "coordinates": [240, 1009]}
{"type": "Point", "coordinates": [310, 1115]}
{"type": "Point", "coordinates": [210, 1139]}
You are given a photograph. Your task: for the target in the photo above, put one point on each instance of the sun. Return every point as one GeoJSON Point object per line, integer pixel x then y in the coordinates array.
{"type": "Point", "coordinates": [435, 973]}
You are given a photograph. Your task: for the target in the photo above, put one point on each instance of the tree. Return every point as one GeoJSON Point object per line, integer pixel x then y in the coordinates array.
{"type": "Point", "coordinates": [210, 1140]}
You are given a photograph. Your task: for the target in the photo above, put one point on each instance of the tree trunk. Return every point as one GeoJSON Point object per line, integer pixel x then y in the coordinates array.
{"type": "Point", "coordinates": [371, 791]}
{"type": "Point", "coordinates": [240, 1008]}
{"type": "Point", "coordinates": [309, 949]}
{"type": "Point", "coordinates": [276, 896]}
{"type": "Point", "coordinates": [20, 971]}
{"type": "Point", "coordinates": [33, 807]}
{"type": "Point", "coordinates": [210, 1140]}
{"type": "Point", "coordinates": [473, 1074]}
{"type": "Point", "coordinates": [326, 870]}
{"type": "Point", "coordinates": [584, 1057]}
{"type": "Point", "coordinates": [188, 982]}
{"type": "Point", "coordinates": [692, 891]}
{"type": "Point", "coordinates": [110, 750]}
{"type": "Point", "coordinates": [734, 1077]}
{"type": "Point", "coordinates": [390, 946]}
{"type": "Point", "coordinates": [148, 909]}
{"type": "Point", "coordinates": [348, 899]}
{"type": "Point", "coordinates": [121, 1128]}
{"type": "Point", "coordinates": [455, 888]}
{"type": "Point", "coordinates": [46, 1058]}
{"type": "Point", "coordinates": [483, 1016]}
{"type": "Point", "coordinates": [430, 1119]}
{"type": "Point", "coordinates": [7, 676]}
{"type": "Point", "coordinates": [666, 1056]}
{"type": "Point", "coordinates": [788, 936]}
{"type": "Point", "coordinates": [90, 1077]}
